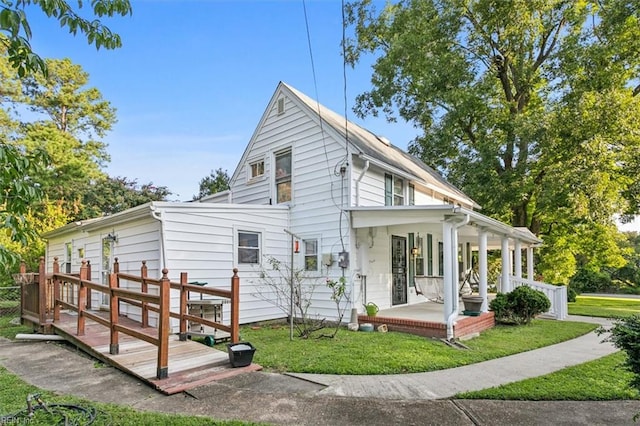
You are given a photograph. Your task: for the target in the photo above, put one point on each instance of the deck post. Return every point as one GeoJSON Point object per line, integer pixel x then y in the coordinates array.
{"type": "Point", "coordinates": [163, 327]}
{"type": "Point", "coordinates": [82, 299]}
{"type": "Point", "coordinates": [116, 270]}
{"type": "Point", "coordinates": [235, 306]}
{"type": "Point", "coordinates": [144, 287]}
{"type": "Point", "coordinates": [23, 271]}
{"type": "Point", "coordinates": [88, 279]}
{"type": "Point", "coordinates": [42, 292]}
{"type": "Point", "coordinates": [114, 346]}
{"type": "Point", "coordinates": [183, 306]}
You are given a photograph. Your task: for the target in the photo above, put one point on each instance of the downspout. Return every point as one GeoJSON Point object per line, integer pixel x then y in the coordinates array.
{"type": "Point", "coordinates": [454, 264]}
{"type": "Point", "coordinates": [366, 167]}
{"type": "Point", "coordinates": [163, 242]}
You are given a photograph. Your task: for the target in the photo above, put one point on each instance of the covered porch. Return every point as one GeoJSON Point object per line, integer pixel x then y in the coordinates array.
{"type": "Point", "coordinates": [411, 256]}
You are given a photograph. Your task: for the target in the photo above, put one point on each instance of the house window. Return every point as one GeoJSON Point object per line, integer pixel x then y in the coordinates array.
{"type": "Point", "coordinates": [283, 177]}
{"type": "Point", "coordinates": [419, 256]}
{"type": "Point", "coordinates": [310, 255]}
{"type": "Point", "coordinates": [257, 169]}
{"type": "Point", "coordinates": [412, 195]}
{"type": "Point", "coordinates": [248, 247]}
{"type": "Point", "coordinates": [68, 252]}
{"type": "Point", "coordinates": [280, 106]}
{"type": "Point", "coordinates": [440, 258]}
{"type": "Point", "coordinates": [393, 190]}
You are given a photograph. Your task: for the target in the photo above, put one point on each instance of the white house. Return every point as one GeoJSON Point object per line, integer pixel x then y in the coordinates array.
{"type": "Point", "coordinates": [358, 207]}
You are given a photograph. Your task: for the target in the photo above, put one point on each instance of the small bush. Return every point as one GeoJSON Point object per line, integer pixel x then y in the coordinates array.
{"type": "Point", "coordinates": [520, 306]}
{"type": "Point", "coordinates": [625, 335]}
{"type": "Point", "coordinates": [571, 294]}
{"type": "Point", "coordinates": [590, 281]}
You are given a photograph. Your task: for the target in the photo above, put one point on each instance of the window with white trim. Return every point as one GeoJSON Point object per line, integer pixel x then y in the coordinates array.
{"type": "Point", "coordinates": [310, 255]}
{"type": "Point", "coordinates": [248, 247]}
{"type": "Point", "coordinates": [393, 190]}
{"type": "Point", "coordinates": [283, 176]}
{"type": "Point", "coordinates": [256, 169]}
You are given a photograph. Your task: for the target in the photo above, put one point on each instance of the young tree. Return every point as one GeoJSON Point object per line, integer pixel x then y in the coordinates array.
{"type": "Point", "coordinates": [216, 181]}
{"type": "Point", "coordinates": [529, 107]}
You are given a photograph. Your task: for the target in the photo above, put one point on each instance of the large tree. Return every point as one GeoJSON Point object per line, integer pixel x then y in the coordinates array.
{"type": "Point", "coordinates": [18, 190]}
{"type": "Point", "coordinates": [528, 106]}
{"type": "Point", "coordinates": [70, 120]}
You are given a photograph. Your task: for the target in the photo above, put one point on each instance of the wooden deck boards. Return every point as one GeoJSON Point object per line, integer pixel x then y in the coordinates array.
{"type": "Point", "coordinates": [191, 364]}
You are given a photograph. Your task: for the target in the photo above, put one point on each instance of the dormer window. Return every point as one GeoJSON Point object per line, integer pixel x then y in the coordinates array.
{"type": "Point", "coordinates": [283, 176]}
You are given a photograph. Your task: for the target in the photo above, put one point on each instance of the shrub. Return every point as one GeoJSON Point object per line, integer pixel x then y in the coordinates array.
{"type": "Point", "coordinates": [519, 306]}
{"type": "Point", "coordinates": [571, 294]}
{"type": "Point", "coordinates": [625, 335]}
{"type": "Point", "coordinates": [590, 281]}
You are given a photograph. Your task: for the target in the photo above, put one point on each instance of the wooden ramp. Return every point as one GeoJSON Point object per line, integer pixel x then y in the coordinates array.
{"type": "Point", "coordinates": [191, 364]}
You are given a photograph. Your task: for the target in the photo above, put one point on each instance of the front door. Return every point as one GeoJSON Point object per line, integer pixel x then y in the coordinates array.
{"type": "Point", "coordinates": [399, 270]}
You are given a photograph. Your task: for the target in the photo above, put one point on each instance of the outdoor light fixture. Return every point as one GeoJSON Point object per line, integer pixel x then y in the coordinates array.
{"type": "Point", "coordinates": [111, 237]}
{"type": "Point", "coordinates": [415, 251]}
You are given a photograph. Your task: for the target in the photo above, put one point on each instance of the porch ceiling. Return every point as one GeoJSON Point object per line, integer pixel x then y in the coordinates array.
{"type": "Point", "coordinates": [364, 217]}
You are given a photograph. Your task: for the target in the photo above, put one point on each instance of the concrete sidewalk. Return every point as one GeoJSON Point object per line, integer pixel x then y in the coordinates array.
{"type": "Point", "coordinates": [329, 400]}
{"type": "Point", "coordinates": [447, 383]}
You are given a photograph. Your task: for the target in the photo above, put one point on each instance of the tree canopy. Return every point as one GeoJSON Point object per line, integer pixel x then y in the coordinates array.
{"type": "Point", "coordinates": [16, 33]}
{"type": "Point", "coordinates": [529, 107]}
{"type": "Point", "coordinates": [216, 181]}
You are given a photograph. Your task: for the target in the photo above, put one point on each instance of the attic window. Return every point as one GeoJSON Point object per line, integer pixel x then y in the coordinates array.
{"type": "Point", "coordinates": [280, 106]}
{"type": "Point", "coordinates": [257, 169]}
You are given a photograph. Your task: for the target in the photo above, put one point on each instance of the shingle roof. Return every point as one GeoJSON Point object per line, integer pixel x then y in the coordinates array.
{"type": "Point", "coordinates": [379, 148]}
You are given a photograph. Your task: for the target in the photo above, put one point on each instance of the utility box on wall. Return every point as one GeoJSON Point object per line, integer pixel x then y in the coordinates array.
{"type": "Point", "coordinates": [343, 259]}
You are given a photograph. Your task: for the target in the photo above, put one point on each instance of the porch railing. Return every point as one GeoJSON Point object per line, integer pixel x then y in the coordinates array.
{"type": "Point", "coordinates": [76, 299]}
{"type": "Point", "coordinates": [557, 295]}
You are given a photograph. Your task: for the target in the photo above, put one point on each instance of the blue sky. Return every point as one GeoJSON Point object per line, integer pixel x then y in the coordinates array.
{"type": "Point", "coordinates": [193, 78]}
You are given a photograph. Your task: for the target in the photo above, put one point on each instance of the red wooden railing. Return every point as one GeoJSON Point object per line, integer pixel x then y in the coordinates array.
{"type": "Point", "coordinates": [80, 285]}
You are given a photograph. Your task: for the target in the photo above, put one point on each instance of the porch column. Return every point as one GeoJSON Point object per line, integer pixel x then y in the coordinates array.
{"type": "Point", "coordinates": [530, 276]}
{"type": "Point", "coordinates": [506, 270]}
{"type": "Point", "coordinates": [517, 258]}
{"type": "Point", "coordinates": [482, 268]}
{"type": "Point", "coordinates": [448, 279]}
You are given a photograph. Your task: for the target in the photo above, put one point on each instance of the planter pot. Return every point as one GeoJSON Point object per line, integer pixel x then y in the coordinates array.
{"type": "Point", "coordinates": [240, 354]}
{"type": "Point", "coordinates": [472, 305]}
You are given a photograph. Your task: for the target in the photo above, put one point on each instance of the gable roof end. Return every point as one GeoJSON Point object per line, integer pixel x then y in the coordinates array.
{"type": "Point", "coordinates": [372, 146]}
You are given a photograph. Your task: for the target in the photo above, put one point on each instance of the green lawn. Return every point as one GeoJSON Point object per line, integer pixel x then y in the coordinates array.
{"type": "Point", "coordinates": [600, 380]}
{"type": "Point", "coordinates": [607, 307]}
{"type": "Point", "coordinates": [14, 391]}
{"type": "Point", "coordinates": [394, 353]}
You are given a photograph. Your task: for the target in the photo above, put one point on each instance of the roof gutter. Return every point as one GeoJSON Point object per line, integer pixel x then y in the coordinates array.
{"type": "Point", "coordinates": [156, 214]}
{"type": "Point", "coordinates": [364, 170]}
